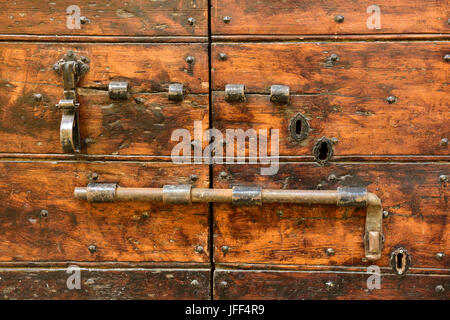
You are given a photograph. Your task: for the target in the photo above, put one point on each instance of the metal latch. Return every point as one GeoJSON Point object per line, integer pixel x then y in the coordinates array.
{"type": "Point", "coordinates": [71, 68]}
{"type": "Point", "coordinates": [251, 196]}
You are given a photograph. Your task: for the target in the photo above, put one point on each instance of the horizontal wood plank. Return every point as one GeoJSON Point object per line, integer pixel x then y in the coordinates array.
{"type": "Point", "coordinates": [413, 193]}
{"type": "Point", "coordinates": [363, 126]}
{"type": "Point", "coordinates": [104, 284]}
{"type": "Point", "coordinates": [134, 18]}
{"type": "Point", "coordinates": [290, 17]}
{"type": "Point", "coordinates": [121, 232]}
{"type": "Point", "coordinates": [278, 285]}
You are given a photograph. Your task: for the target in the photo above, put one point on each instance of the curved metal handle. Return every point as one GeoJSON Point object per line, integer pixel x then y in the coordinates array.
{"type": "Point", "coordinates": [71, 68]}
{"type": "Point", "coordinates": [185, 194]}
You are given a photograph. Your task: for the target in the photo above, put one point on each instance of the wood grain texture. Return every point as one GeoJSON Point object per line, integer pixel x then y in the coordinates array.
{"type": "Point", "coordinates": [363, 125]}
{"type": "Point", "coordinates": [127, 231]}
{"type": "Point", "coordinates": [140, 125]}
{"type": "Point", "coordinates": [134, 18]}
{"type": "Point", "coordinates": [146, 67]}
{"type": "Point", "coordinates": [277, 285]}
{"type": "Point", "coordinates": [414, 72]}
{"type": "Point", "coordinates": [101, 284]}
{"type": "Point", "coordinates": [412, 193]}
{"type": "Point", "coordinates": [317, 17]}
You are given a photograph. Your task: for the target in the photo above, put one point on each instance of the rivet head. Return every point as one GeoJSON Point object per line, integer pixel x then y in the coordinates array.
{"type": "Point", "coordinates": [193, 177]}
{"type": "Point", "coordinates": [330, 252]}
{"type": "Point", "coordinates": [84, 20]}
{"type": "Point", "coordinates": [334, 140]}
{"type": "Point", "coordinates": [391, 99]}
{"type": "Point", "coordinates": [227, 19]}
{"type": "Point", "coordinates": [447, 57]}
{"type": "Point", "coordinates": [385, 214]}
{"type": "Point", "coordinates": [440, 256]}
{"type": "Point", "coordinates": [330, 285]}
{"type": "Point", "coordinates": [448, 21]}
{"type": "Point", "coordinates": [332, 177]}
{"type": "Point", "coordinates": [334, 57]}
{"type": "Point", "coordinates": [191, 21]}
{"type": "Point", "coordinates": [43, 213]}
{"type": "Point", "coordinates": [339, 19]}
{"type": "Point", "coordinates": [93, 176]}
{"type": "Point", "coordinates": [439, 288]}
{"type": "Point", "coordinates": [225, 249]}
{"type": "Point", "coordinates": [190, 59]}
{"type": "Point", "coordinates": [92, 248]}
{"type": "Point", "coordinates": [444, 142]}
{"type": "Point", "coordinates": [56, 67]}
{"type": "Point", "coordinates": [224, 283]}
{"type": "Point", "coordinates": [195, 283]}
{"type": "Point", "coordinates": [223, 174]}
{"type": "Point", "coordinates": [37, 97]}
{"type": "Point", "coordinates": [443, 178]}
{"type": "Point", "coordinates": [199, 249]}
{"type": "Point", "coordinates": [223, 56]}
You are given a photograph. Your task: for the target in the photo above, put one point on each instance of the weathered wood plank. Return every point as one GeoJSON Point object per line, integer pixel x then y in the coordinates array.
{"type": "Point", "coordinates": [414, 72]}
{"type": "Point", "coordinates": [414, 194]}
{"type": "Point", "coordinates": [292, 17]}
{"type": "Point", "coordinates": [140, 125]}
{"type": "Point", "coordinates": [128, 231]}
{"type": "Point", "coordinates": [260, 284]}
{"type": "Point", "coordinates": [134, 18]}
{"type": "Point", "coordinates": [363, 125]}
{"type": "Point", "coordinates": [117, 284]}
{"type": "Point", "coordinates": [146, 67]}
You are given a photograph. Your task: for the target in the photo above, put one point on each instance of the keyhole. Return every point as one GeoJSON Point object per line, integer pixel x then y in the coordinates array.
{"type": "Point", "coordinates": [299, 127]}
{"type": "Point", "coordinates": [400, 261]}
{"type": "Point", "coordinates": [323, 151]}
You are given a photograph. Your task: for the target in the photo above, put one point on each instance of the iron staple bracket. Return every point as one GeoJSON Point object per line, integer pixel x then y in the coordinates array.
{"type": "Point", "coordinates": [235, 93]}
{"type": "Point", "coordinates": [118, 90]}
{"type": "Point", "coordinates": [279, 94]}
{"type": "Point", "coordinates": [71, 68]}
{"type": "Point", "coordinates": [176, 92]}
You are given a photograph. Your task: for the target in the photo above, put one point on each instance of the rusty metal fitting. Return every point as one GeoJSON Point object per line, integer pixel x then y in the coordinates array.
{"type": "Point", "coordinates": [118, 90]}
{"type": "Point", "coordinates": [234, 93]}
{"type": "Point", "coordinates": [279, 94]}
{"type": "Point", "coordinates": [176, 92]}
{"type": "Point", "coordinates": [97, 192]}
{"type": "Point", "coordinates": [179, 194]}
{"type": "Point", "coordinates": [246, 196]}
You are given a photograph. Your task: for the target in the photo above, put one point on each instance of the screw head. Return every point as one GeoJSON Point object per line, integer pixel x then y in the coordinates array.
{"type": "Point", "coordinates": [443, 178]}
{"type": "Point", "coordinates": [447, 57]}
{"type": "Point", "coordinates": [339, 19]}
{"type": "Point", "coordinates": [199, 249]}
{"type": "Point", "coordinates": [385, 214]}
{"type": "Point", "coordinates": [334, 57]}
{"type": "Point", "coordinates": [226, 19]}
{"type": "Point", "coordinates": [84, 20]}
{"type": "Point", "coordinates": [43, 213]}
{"type": "Point", "coordinates": [439, 288]}
{"type": "Point", "coordinates": [37, 97]}
{"type": "Point", "coordinates": [444, 142]}
{"type": "Point", "coordinates": [391, 99]}
{"type": "Point", "coordinates": [223, 174]}
{"type": "Point", "coordinates": [330, 285]}
{"type": "Point", "coordinates": [191, 21]}
{"type": "Point", "coordinates": [330, 252]}
{"type": "Point", "coordinates": [440, 256]}
{"type": "Point", "coordinates": [194, 177]}
{"type": "Point", "coordinates": [92, 248]}
{"type": "Point", "coordinates": [223, 56]}
{"type": "Point", "coordinates": [332, 177]}
{"type": "Point", "coordinates": [195, 283]}
{"type": "Point", "coordinates": [190, 59]}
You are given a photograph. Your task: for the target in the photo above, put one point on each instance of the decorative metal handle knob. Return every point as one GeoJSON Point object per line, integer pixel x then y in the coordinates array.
{"type": "Point", "coordinates": [249, 196]}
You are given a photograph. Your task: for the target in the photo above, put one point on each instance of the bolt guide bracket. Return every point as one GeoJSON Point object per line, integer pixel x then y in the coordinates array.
{"type": "Point", "coordinates": [250, 196]}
